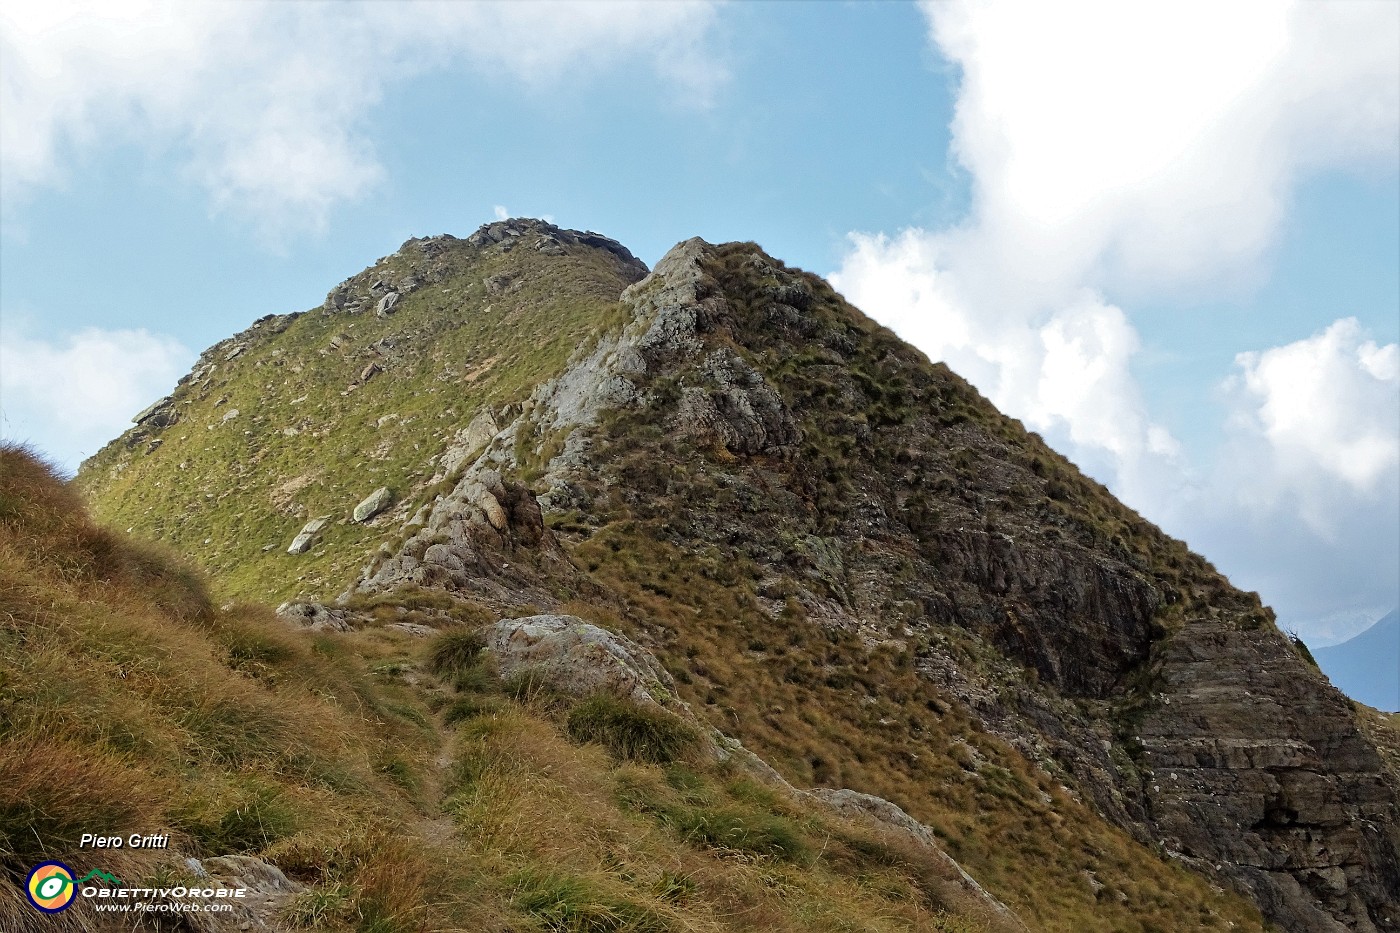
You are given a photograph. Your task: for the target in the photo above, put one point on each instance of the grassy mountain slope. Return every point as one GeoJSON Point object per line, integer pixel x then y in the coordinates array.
{"type": "Point", "coordinates": [311, 436]}
{"type": "Point", "coordinates": [394, 778]}
{"type": "Point", "coordinates": [844, 555]}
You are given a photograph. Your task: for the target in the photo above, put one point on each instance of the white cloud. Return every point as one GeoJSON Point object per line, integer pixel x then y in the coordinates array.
{"type": "Point", "coordinates": [500, 212]}
{"type": "Point", "coordinates": [1085, 380]}
{"type": "Point", "coordinates": [1119, 147]}
{"type": "Point", "coordinates": [1303, 499]}
{"type": "Point", "coordinates": [1064, 372]}
{"type": "Point", "coordinates": [1146, 148]}
{"type": "Point", "coordinates": [1155, 144]}
{"type": "Point", "coordinates": [1326, 409]}
{"type": "Point", "coordinates": [70, 396]}
{"type": "Point", "coordinates": [268, 102]}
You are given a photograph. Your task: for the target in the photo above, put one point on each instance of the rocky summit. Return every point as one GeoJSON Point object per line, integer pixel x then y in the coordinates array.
{"type": "Point", "coordinates": [722, 487]}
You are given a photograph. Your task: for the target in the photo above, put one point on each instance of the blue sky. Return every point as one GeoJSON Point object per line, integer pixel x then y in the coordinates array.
{"type": "Point", "coordinates": [1165, 236]}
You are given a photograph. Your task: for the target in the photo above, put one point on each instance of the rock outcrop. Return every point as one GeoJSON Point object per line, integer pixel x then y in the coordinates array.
{"type": "Point", "coordinates": [737, 409]}
{"type": "Point", "coordinates": [579, 658]}
{"type": "Point", "coordinates": [159, 414]}
{"type": "Point", "coordinates": [267, 893]}
{"type": "Point", "coordinates": [735, 405]}
{"type": "Point", "coordinates": [314, 617]}
{"type": "Point", "coordinates": [486, 537]}
{"type": "Point", "coordinates": [467, 443]}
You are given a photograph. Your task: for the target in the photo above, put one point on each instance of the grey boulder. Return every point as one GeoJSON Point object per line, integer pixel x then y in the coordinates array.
{"type": "Point", "coordinates": [373, 504]}
{"type": "Point", "coordinates": [302, 542]}
{"type": "Point", "coordinates": [314, 617]}
{"type": "Point", "coordinates": [579, 658]}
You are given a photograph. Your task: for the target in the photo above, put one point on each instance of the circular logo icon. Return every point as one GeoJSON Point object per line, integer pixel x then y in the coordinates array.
{"type": "Point", "coordinates": [50, 887]}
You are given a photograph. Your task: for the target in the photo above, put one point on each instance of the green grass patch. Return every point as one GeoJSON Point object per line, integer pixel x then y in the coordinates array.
{"type": "Point", "coordinates": [563, 903]}
{"type": "Point", "coordinates": [630, 731]}
{"type": "Point", "coordinates": [319, 907]}
{"type": "Point", "coordinates": [453, 652]}
{"type": "Point", "coordinates": [259, 817]}
{"type": "Point", "coordinates": [730, 827]}
{"type": "Point", "coordinates": [466, 708]}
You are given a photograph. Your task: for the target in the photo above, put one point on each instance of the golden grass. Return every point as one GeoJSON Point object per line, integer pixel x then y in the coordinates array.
{"type": "Point", "coordinates": [599, 847]}
{"type": "Point", "coordinates": [128, 703]}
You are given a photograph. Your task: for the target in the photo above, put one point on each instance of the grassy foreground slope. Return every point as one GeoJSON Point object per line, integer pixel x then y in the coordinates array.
{"type": "Point", "coordinates": [395, 779]}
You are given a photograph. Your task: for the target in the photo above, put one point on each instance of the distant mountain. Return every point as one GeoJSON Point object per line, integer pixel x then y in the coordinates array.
{"type": "Point", "coordinates": [1367, 667]}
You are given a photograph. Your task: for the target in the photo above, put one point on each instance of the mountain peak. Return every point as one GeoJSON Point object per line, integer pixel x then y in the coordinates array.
{"type": "Point", "coordinates": [843, 554]}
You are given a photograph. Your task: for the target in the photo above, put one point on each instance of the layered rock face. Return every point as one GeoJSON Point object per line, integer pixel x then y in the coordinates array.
{"type": "Point", "coordinates": [737, 420]}
{"type": "Point", "coordinates": [1258, 771]}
